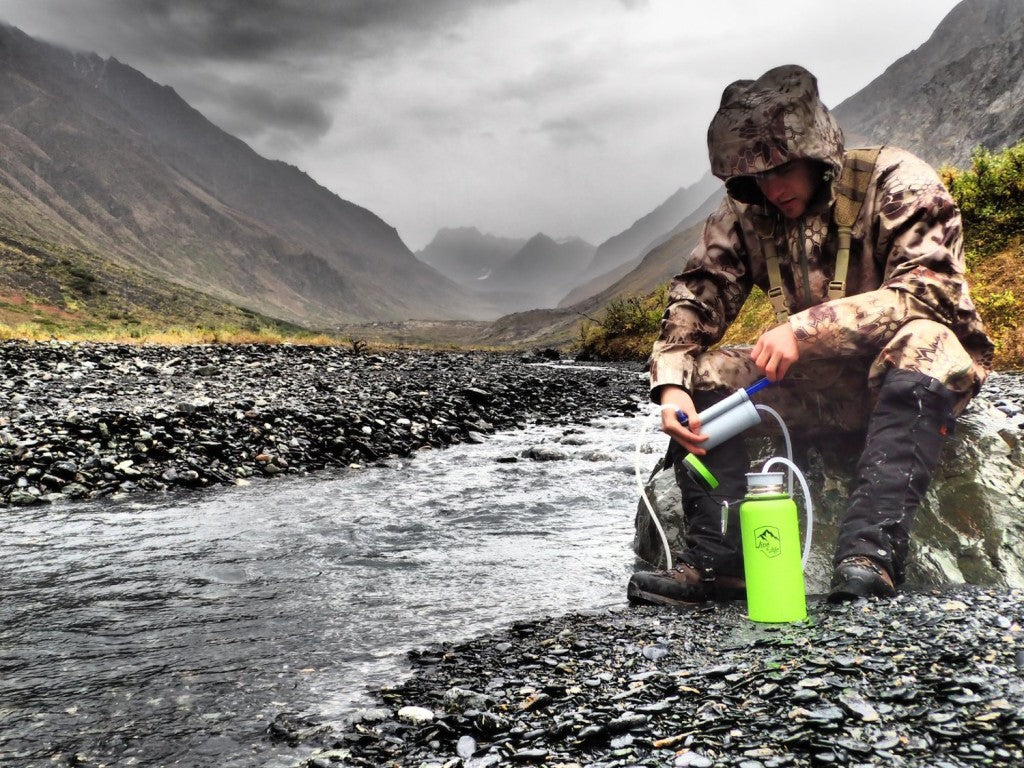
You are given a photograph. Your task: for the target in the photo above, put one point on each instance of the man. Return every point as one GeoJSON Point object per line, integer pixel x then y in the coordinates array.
{"type": "Point", "coordinates": [876, 334]}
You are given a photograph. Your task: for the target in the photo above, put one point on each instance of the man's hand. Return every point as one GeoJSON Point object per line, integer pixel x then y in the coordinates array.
{"type": "Point", "coordinates": [775, 351]}
{"type": "Point", "coordinates": [688, 435]}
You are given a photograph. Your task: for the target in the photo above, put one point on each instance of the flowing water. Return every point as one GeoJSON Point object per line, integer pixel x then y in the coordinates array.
{"type": "Point", "coordinates": [174, 631]}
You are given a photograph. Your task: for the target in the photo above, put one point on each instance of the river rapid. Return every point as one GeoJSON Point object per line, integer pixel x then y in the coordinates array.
{"type": "Point", "coordinates": [174, 630]}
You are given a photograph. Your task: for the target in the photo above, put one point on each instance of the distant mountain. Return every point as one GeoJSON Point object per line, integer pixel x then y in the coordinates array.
{"type": "Point", "coordinates": [613, 279]}
{"type": "Point", "coordinates": [962, 88]}
{"type": "Point", "coordinates": [467, 256]}
{"type": "Point", "coordinates": [542, 270]}
{"type": "Point", "coordinates": [102, 159]}
{"type": "Point", "coordinates": [631, 244]}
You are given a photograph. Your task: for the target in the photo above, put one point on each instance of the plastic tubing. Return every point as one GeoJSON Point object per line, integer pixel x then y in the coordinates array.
{"type": "Point", "coordinates": [643, 492]}
{"type": "Point", "coordinates": [785, 435]}
{"type": "Point", "coordinates": [807, 501]}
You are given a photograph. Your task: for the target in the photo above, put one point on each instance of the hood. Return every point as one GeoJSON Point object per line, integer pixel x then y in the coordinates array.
{"type": "Point", "coordinates": [764, 123]}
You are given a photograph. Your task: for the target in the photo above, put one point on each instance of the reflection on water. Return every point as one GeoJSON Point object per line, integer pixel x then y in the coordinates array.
{"type": "Point", "coordinates": [145, 633]}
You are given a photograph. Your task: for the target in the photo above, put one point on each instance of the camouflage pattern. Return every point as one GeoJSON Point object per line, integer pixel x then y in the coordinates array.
{"type": "Point", "coordinates": [764, 123]}
{"type": "Point", "coordinates": [807, 397]}
{"type": "Point", "coordinates": [907, 303]}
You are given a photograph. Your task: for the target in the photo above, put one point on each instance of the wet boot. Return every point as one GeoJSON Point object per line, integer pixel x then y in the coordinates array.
{"type": "Point", "coordinates": [711, 565]}
{"type": "Point", "coordinates": [904, 440]}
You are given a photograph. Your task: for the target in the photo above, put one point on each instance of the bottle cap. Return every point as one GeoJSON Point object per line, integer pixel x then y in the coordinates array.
{"type": "Point", "coordinates": [699, 472]}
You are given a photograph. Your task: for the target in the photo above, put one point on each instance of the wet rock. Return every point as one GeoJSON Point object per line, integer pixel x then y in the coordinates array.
{"type": "Point", "coordinates": [117, 419]}
{"type": "Point", "coordinates": [898, 682]}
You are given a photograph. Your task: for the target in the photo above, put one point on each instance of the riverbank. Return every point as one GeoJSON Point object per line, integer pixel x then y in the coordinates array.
{"type": "Point", "coordinates": [90, 420]}
{"type": "Point", "coordinates": [922, 680]}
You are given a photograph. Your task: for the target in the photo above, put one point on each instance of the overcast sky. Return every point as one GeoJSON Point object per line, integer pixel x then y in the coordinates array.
{"type": "Point", "coordinates": [569, 117]}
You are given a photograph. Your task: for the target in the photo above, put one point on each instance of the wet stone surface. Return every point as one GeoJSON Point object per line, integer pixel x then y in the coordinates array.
{"type": "Point", "coordinates": [928, 679]}
{"type": "Point", "coordinates": [92, 420]}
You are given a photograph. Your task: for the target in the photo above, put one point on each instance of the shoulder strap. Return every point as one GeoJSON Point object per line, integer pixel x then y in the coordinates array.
{"type": "Point", "coordinates": [851, 191]}
{"type": "Point", "coordinates": [765, 228]}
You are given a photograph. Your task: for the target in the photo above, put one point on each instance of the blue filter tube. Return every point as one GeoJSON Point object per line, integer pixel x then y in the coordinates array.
{"type": "Point", "coordinates": [733, 414]}
{"type": "Point", "coordinates": [725, 419]}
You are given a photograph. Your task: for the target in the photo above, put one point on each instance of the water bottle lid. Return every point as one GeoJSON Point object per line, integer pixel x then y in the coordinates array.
{"type": "Point", "coordinates": [699, 472]}
{"type": "Point", "coordinates": [764, 482]}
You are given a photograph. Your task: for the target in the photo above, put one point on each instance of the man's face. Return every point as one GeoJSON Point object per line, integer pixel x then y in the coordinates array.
{"type": "Point", "coordinates": [789, 187]}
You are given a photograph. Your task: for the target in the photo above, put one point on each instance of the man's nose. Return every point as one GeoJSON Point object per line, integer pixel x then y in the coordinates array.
{"type": "Point", "coordinates": [771, 186]}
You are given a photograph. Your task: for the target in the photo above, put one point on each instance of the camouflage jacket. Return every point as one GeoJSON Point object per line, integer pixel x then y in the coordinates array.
{"type": "Point", "coordinates": [906, 258]}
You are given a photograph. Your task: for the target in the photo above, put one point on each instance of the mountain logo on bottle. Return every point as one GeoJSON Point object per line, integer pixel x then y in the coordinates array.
{"type": "Point", "coordinates": [767, 541]}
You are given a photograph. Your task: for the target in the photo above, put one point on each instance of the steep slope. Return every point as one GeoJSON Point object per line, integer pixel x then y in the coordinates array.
{"type": "Point", "coordinates": [962, 88]}
{"type": "Point", "coordinates": [612, 280]}
{"type": "Point", "coordinates": [631, 244]}
{"type": "Point", "coordinates": [99, 157]}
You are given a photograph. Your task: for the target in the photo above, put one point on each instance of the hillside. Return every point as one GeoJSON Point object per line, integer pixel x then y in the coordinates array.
{"type": "Point", "coordinates": [100, 158]}
{"type": "Point", "coordinates": [963, 88]}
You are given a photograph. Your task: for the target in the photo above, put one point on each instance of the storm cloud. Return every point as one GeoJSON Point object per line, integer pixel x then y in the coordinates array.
{"type": "Point", "coordinates": [572, 117]}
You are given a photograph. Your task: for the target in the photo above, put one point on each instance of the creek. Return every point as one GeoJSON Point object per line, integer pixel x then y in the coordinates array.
{"type": "Point", "coordinates": [173, 630]}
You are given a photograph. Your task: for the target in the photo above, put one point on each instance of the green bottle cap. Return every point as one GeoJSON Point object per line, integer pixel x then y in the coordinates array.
{"type": "Point", "coordinates": [699, 472]}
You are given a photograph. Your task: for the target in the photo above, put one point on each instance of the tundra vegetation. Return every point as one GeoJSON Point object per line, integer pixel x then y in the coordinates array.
{"type": "Point", "coordinates": [990, 195]}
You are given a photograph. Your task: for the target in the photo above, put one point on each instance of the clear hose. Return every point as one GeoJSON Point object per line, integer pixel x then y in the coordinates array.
{"type": "Point", "coordinates": [643, 491]}
{"type": "Point", "coordinates": [807, 501]}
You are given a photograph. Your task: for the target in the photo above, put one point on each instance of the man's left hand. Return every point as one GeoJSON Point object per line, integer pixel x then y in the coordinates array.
{"type": "Point", "coordinates": [775, 351]}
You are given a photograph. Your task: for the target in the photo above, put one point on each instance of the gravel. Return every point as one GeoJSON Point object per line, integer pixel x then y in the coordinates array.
{"type": "Point", "coordinates": [93, 420]}
{"type": "Point", "coordinates": [928, 679]}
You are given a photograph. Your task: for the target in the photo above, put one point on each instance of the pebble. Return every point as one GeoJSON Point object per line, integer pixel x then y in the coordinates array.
{"type": "Point", "coordinates": [901, 689]}
{"type": "Point", "coordinates": [88, 420]}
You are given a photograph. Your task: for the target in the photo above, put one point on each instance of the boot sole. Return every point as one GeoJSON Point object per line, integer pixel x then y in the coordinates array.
{"type": "Point", "coordinates": [639, 596]}
{"type": "Point", "coordinates": [855, 589]}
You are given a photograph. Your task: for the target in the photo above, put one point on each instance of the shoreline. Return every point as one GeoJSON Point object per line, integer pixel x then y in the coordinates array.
{"type": "Point", "coordinates": [926, 679]}
{"type": "Point", "coordinates": [89, 420]}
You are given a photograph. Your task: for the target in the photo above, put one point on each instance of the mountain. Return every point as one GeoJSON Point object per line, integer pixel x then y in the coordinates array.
{"type": "Point", "coordinates": [100, 158]}
{"type": "Point", "coordinates": [631, 244]}
{"type": "Point", "coordinates": [613, 279]}
{"type": "Point", "coordinates": [962, 88]}
{"type": "Point", "coordinates": [467, 256]}
{"type": "Point", "coordinates": [542, 270]}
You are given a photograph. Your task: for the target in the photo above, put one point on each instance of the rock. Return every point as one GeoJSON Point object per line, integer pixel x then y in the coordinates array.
{"type": "Point", "coordinates": [415, 714]}
{"type": "Point", "coordinates": [164, 418]}
{"type": "Point", "coordinates": [968, 529]}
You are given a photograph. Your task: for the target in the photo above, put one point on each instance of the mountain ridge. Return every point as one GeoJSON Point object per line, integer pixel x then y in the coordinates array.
{"type": "Point", "coordinates": [107, 160]}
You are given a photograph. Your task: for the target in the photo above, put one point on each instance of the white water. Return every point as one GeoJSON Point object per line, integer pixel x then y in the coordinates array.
{"type": "Point", "coordinates": [176, 630]}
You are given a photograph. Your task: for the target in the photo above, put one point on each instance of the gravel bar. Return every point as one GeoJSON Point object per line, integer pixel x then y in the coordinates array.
{"type": "Point", "coordinates": [83, 421]}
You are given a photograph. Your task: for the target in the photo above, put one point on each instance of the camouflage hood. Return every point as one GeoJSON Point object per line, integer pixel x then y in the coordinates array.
{"type": "Point", "coordinates": [764, 123]}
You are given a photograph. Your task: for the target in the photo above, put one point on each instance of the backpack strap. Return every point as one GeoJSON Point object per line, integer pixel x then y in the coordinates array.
{"type": "Point", "coordinates": [851, 191]}
{"type": "Point", "coordinates": [765, 228]}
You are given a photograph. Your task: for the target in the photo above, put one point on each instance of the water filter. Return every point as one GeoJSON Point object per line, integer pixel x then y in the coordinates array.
{"type": "Point", "coordinates": [721, 421]}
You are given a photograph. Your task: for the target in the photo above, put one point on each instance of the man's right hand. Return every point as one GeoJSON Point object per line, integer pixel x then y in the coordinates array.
{"type": "Point", "coordinates": [687, 435]}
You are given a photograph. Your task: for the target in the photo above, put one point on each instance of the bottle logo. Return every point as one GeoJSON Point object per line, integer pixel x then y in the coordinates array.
{"type": "Point", "coordinates": [767, 541]}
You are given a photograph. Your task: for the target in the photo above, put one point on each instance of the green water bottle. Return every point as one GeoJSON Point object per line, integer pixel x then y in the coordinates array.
{"type": "Point", "coordinates": [772, 564]}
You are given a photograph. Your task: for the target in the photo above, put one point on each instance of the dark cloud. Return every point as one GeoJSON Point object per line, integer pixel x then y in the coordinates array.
{"type": "Point", "coordinates": [249, 111]}
{"type": "Point", "coordinates": [244, 30]}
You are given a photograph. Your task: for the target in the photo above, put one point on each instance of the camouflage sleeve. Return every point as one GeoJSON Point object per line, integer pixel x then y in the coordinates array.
{"type": "Point", "coordinates": [919, 239]}
{"type": "Point", "coordinates": [702, 301]}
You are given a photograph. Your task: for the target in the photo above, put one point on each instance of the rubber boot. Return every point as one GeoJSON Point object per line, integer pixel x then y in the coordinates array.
{"type": "Point", "coordinates": [711, 565]}
{"type": "Point", "coordinates": [905, 436]}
